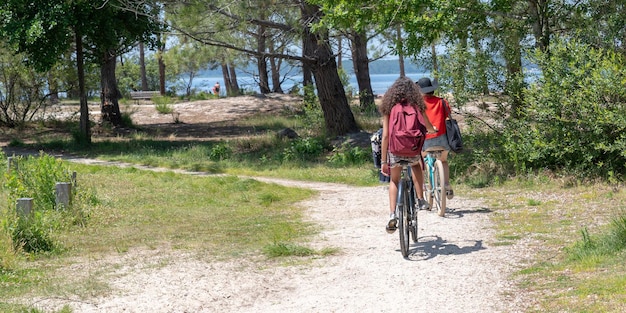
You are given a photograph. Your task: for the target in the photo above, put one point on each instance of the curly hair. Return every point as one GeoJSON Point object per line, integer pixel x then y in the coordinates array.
{"type": "Point", "coordinates": [403, 89]}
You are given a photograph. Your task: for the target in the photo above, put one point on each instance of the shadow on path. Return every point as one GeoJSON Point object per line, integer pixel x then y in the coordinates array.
{"type": "Point", "coordinates": [460, 212]}
{"type": "Point", "coordinates": [435, 246]}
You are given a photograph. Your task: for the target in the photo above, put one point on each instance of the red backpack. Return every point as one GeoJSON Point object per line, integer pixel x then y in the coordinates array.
{"type": "Point", "coordinates": [406, 130]}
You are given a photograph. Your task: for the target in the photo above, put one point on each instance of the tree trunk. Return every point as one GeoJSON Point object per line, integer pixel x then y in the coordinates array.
{"type": "Point", "coordinates": [264, 84]}
{"type": "Point", "coordinates": [362, 70]}
{"type": "Point", "coordinates": [226, 77]}
{"type": "Point", "coordinates": [483, 80]}
{"type": "Point", "coordinates": [142, 68]}
{"type": "Point", "coordinates": [541, 23]}
{"type": "Point", "coordinates": [110, 94]}
{"type": "Point", "coordinates": [339, 52]}
{"type": "Point", "coordinates": [275, 69]}
{"type": "Point", "coordinates": [233, 79]}
{"type": "Point", "coordinates": [514, 79]}
{"type": "Point", "coordinates": [433, 51]}
{"type": "Point", "coordinates": [337, 115]}
{"type": "Point", "coordinates": [85, 126]}
{"type": "Point", "coordinates": [53, 89]}
{"type": "Point", "coordinates": [459, 73]}
{"type": "Point", "coordinates": [400, 53]}
{"type": "Point", "coordinates": [161, 51]}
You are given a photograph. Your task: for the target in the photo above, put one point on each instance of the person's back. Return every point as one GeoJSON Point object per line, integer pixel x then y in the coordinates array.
{"type": "Point", "coordinates": [403, 94]}
{"type": "Point", "coordinates": [437, 114]}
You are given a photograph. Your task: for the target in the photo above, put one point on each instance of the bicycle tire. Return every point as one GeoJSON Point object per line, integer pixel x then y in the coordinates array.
{"type": "Point", "coordinates": [439, 188]}
{"type": "Point", "coordinates": [401, 209]}
{"type": "Point", "coordinates": [412, 209]}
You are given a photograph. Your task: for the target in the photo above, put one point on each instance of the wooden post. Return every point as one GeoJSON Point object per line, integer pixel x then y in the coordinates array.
{"type": "Point", "coordinates": [63, 192]}
{"type": "Point", "coordinates": [24, 207]}
{"type": "Point", "coordinates": [11, 163]}
{"type": "Point", "coordinates": [74, 179]}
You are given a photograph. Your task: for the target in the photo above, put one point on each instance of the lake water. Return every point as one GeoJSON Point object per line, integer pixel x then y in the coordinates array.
{"type": "Point", "coordinates": [380, 82]}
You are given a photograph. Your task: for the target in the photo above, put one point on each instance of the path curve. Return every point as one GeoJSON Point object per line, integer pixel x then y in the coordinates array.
{"type": "Point", "coordinates": [453, 268]}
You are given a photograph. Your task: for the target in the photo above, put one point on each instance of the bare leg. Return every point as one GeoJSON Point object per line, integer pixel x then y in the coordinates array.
{"type": "Point", "coordinates": [393, 187]}
{"type": "Point", "coordinates": [418, 179]}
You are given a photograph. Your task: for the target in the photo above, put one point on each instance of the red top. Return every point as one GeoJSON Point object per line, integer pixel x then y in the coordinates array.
{"type": "Point", "coordinates": [437, 115]}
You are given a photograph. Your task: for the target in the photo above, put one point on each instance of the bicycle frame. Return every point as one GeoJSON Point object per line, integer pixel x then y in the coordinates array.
{"type": "Point", "coordinates": [434, 189]}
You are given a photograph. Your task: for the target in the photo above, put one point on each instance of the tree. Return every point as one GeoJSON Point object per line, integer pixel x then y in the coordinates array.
{"type": "Point", "coordinates": [44, 31]}
{"type": "Point", "coordinates": [316, 53]}
{"type": "Point", "coordinates": [186, 60]}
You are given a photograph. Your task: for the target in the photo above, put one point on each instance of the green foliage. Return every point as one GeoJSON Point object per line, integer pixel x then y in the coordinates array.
{"type": "Point", "coordinates": [576, 114]}
{"type": "Point", "coordinates": [163, 107]}
{"type": "Point", "coordinates": [33, 233]}
{"type": "Point", "coordinates": [220, 151]}
{"type": "Point", "coordinates": [610, 242]}
{"type": "Point", "coordinates": [8, 252]}
{"type": "Point", "coordinates": [312, 118]}
{"type": "Point", "coordinates": [304, 149]}
{"type": "Point", "coordinates": [348, 155]}
{"type": "Point", "coordinates": [36, 177]}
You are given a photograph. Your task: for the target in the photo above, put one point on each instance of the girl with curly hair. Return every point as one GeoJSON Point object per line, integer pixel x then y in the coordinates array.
{"type": "Point", "coordinates": [403, 90]}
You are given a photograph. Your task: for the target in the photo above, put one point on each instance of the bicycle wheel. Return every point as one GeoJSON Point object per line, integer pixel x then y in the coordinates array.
{"type": "Point", "coordinates": [401, 211]}
{"type": "Point", "coordinates": [412, 211]}
{"type": "Point", "coordinates": [439, 188]}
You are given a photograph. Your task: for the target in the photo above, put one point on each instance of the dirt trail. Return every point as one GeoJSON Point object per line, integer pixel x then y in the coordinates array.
{"type": "Point", "coordinates": [452, 268]}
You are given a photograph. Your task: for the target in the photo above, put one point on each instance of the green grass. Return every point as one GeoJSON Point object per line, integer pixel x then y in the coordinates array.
{"type": "Point", "coordinates": [576, 245]}
{"type": "Point", "coordinates": [212, 217]}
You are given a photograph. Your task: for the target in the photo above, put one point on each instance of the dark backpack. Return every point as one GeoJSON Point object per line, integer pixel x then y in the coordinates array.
{"type": "Point", "coordinates": [406, 130]}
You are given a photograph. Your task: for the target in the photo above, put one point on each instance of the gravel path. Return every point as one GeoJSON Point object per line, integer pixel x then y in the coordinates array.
{"type": "Point", "coordinates": [452, 268]}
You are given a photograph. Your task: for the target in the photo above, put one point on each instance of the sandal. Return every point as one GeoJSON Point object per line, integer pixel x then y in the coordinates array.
{"type": "Point", "coordinates": [392, 225]}
{"type": "Point", "coordinates": [449, 192]}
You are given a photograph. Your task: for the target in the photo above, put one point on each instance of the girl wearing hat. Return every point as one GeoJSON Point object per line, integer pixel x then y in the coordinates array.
{"type": "Point", "coordinates": [437, 114]}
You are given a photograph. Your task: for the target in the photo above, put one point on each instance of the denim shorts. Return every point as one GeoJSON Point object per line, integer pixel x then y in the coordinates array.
{"type": "Point", "coordinates": [437, 141]}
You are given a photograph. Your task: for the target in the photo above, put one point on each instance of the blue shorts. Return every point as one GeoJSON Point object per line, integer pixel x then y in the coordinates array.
{"type": "Point", "coordinates": [437, 141]}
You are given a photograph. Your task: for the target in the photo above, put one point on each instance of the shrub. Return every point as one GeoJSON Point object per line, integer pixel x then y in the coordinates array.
{"type": "Point", "coordinates": [304, 149]}
{"type": "Point", "coordinates": [348, 155]}
{"type": "Point", "coordinates": [575, 114]}
{"type": "Point", "coordinates": [219, 152]}
{"type": "Point", "coordinates": [163, 104]}
{"type": "Point", "coordinates": [32, 234]}
{"type": "Point", "coordinates": [35, 177]}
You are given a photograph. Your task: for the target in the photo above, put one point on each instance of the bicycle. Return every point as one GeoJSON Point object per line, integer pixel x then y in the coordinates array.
{"type": "Point", "coordinates": [406, 212]}
{"type": "Point", "coordinates": [434, 180]}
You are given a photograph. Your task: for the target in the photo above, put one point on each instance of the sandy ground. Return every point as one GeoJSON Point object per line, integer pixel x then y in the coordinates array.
{"type": "Point", "coordinates": [454, 267]}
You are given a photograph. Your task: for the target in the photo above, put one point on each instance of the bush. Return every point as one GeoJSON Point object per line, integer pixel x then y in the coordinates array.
{"type": "Point", "coordinates": [348, 155]}
{"type": "Point", "coordinates": [575, 114]}
{"type": "Point", "coordinates": [304, 149]}
{"type": "Point", "coordinates": [219, 152]}
{"type": "Point", "coordinates": [36, 177]}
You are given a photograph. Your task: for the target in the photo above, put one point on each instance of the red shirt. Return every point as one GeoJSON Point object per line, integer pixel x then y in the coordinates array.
{"type": "Point", "coordinates": [437, 115]}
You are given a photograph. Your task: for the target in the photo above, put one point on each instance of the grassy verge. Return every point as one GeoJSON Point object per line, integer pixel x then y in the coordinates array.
{"type": "Point", "coordinates": [565, 230]}
{"type": "Point", "coordinates": [211, 217]}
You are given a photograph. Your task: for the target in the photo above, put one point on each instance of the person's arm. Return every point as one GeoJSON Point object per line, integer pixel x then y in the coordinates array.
{"type": "Point", "coordinates": [429, 126]}
{"type": "Point", "coordinates": [384, 146]}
